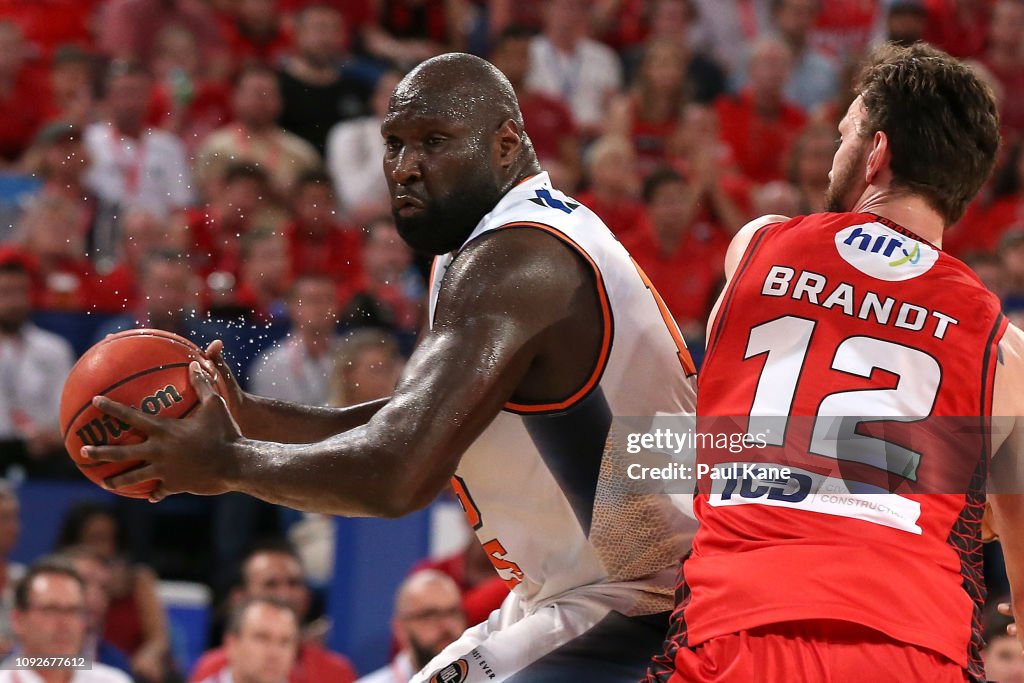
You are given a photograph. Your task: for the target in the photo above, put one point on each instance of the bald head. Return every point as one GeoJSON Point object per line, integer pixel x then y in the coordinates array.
{"type": "Point", "coordinates": [461, 87]}
{"type": "Point", "coordinates": [428, 614]}
{"type": "Point", "coordinates": [455, 145]}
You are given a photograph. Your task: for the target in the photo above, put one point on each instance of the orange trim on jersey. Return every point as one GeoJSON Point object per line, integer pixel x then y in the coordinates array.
{"type": "Point", "coordinates": [606, 333]}
{"type": "Point", "coordinates": [529, 177]}
{"type": "Point", "coordinates": [685, 359]}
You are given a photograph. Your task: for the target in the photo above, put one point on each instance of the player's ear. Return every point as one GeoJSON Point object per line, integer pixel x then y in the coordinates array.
{"type": "Point", "coordinates": [508, 141]}
{"type": "Point", "coordinates": [878, 157]}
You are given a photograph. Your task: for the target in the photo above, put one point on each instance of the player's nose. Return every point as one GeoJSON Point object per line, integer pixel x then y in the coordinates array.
{"type": "Point", "coordinates": [406, 168]}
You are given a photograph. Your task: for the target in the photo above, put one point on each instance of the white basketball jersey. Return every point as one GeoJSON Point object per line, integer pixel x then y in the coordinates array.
{"type": "Point", "coordinates": [544, 485]}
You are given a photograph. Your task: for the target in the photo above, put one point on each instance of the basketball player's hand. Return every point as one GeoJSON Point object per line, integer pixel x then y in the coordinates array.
{"type": "Point", "coordinates": [218, 367]}
{"type": "Point", "coordinates": [185, 455]}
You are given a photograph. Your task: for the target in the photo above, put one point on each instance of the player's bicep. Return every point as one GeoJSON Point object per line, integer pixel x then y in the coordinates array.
{"type": "Point", "coordinates": [1007, 470]}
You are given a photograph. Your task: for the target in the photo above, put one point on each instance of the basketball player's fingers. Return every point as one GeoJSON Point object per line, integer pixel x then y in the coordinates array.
{"type": "Point", "coordinates": [136, 476]}
{"type": "Point", "coordinates": [121, 453]}
{"type": "Point", "coordinates": [136, 418]}
{"type": "Point", "coordinates": [202, 382]}
{"type": "Point", "coordinates": [1004, 608]}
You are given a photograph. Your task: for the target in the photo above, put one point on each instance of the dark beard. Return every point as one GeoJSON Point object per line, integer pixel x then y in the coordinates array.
{"type": "Point", "coordinates": [422, 654]}
{"type": "Point", "coordinates": [838, 189]}
{"type": "Point", "coordinates": [446, 223]}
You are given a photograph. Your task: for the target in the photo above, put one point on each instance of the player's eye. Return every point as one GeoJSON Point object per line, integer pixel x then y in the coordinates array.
{"type": "Point", "coordinates": [434, 141]}
{"type": "Point", "coordinates": [393, 145]}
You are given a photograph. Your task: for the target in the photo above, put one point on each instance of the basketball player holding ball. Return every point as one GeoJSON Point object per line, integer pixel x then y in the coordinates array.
{"type": "Point", "coordinates": [542, 330]}
{"type": "Point", "coordinates": [865, 564]}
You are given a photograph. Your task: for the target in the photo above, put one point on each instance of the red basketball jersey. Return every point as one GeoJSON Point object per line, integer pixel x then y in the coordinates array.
{"type": "Point", "coordinates": [862, 358]}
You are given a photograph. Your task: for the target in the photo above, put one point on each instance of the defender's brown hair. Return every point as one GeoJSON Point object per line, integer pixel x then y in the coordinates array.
{"type": "Point", "coordinates": [941, 121]}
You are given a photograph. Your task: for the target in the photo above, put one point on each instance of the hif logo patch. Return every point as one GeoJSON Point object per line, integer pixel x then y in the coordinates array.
{"type": "Point", "coordinates": [456, 672]}
{"type": "Point", "coordinates": [881, 252]}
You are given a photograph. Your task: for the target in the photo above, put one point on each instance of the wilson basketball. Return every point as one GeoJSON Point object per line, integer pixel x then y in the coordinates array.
{"type": "Point", "coordinates": [145, 369]}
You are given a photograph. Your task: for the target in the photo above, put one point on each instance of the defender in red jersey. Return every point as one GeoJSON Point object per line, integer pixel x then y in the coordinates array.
{"type": "Point", "coordinates": [870, 363]}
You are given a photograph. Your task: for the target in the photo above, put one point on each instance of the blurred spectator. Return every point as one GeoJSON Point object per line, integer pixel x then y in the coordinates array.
{"type": "Point", "coordinates": [1004, 661]}
{"type": "Point", "coordinates": [482, 589]}
{"type": "Point", "coordinates": [70, 97]}
{"type": "Point", "coordinates": [33, 366]}
{"type": "Point", "coordinates": [355, 152]}
{"type": "Point", "coordinates": [758, 123]}
{"type": "Point", "coordinates": [51, 233]}
{"type": "Point", "coordinates": [814, 78]}
{"type": "Point", "coordinates": [142, 234]}
{"type": "Point", "coordinates": [844, 27]}
{"type": "Point", "coordinates": [320, 243]}
{"type": "Point", "coordinates": [127, 29]}
{"type": "Point", "coordinates": [131, 164]}
{"type": "Point", "coordinates": [406, 32]}
{"type": "Point", "coordinates": [261, 643]}
{"type": "Point", "coordinates": [548, 121]}
{"type": "Point", "coordinates": [238, 199]}
{"type": "Point", "coordinates": [650, 111]}
{"type": "Point", "coordinates": [777, 197]}
{"type": "Point", "coordinates": [256, 34]}
{"type": "Point", "coordinates": [427, 618]}
{"type": "Point", "coordinates": [10, 571]}
{"type": "Point", "coordinates": [391, 290]}
{"type": "Point", "coordinates": [905, 22]}
{"type": "Point", "coordinates": [20, 107]}
{"type": "Point", "coordinates": [680, 251]}
{"type": "Point", "coordinates": [166, 298]}
{"type": "Point", "coordinates": [729, 27]}
{"type": "Point", "coordinates": [366, 367]}
{"type": "Point", "coordinates": [959, 27]}
{"type": "Point", "coordinates": [675, 21]}
{"type": "Point", "coordinates": [300, 369]}
{"type": "Point", "coordinates": [614, 185]}
{"type": "Point", "coordinates": [810, 162]}
{"type": "Point", "coordinates": [50, 620]}
{"type": "Point", "coordinates": [1004, 57]}
{"type": "Point", "coordinates": [566, 64]}
{"type": "Point", "coordinates": [47, 24]}
{"type": "Point", "coordinates": [986, 222]}
{"type": "Point", "coordinates": [700, 157]}
{"type": "Point", "coordinates": [255, 137]}
{"type": "Point", "coordinates": [96, 576]}
{"type": "Point", "coordinates": [264, 276]}
{"type": "Point", "coordinates": [275, 573]}
{"type": "Point", "coordinates": [317, 88]}
{"type": "Point", "coordinates": [186, 101]}
{"type": "Point", "coordinates": [58, 157]}
{"type": "Point", "coordinates": [1011, 253]}
{"type": "Point", "coordinates": [136, 623]}
{"type": "Point", "coordinates": [989, 269]}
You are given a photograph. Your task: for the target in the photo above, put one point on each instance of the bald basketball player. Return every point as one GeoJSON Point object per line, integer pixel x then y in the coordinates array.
{"type": "Point", "coordinates": [541, 331]}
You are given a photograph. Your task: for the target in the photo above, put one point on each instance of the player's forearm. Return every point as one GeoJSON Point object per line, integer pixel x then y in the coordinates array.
{"type": "Point", "coordinates": [266, 419]}
{"type": "Point", "coordinates": [355, 474]}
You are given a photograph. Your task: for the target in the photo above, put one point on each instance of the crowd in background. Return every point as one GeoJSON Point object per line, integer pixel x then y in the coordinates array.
{"type": "Point", "coordinates": [213, 168]}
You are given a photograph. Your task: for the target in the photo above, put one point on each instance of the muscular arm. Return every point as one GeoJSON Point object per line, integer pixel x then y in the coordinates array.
{"type": "Point", "coordinates": [267, 419]}
{"type": "Point", "coordinates": [504, 299]}
{"type": "Point", "coordinates": [1007, 497]}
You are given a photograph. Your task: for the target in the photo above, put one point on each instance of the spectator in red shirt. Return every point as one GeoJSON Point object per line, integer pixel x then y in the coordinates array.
{"type": "Point", "coordinates": [683, 257]}
{"type": "Point", "coordinates": [407, 32]}
{"type": "Point", "coordinates": [46, 24]}
{"type": "Point", "coordinates": [275, 572]}
{"type": "Point", "coordinates": [255, 32]}
{"type": "Point", "coordinates": [391, 290]}
{"type": "Point", "coordinates": [263, 279]}
{"type": "Point", "coordinates": [127, 29]}
{"type": "Point", "coordinates": [614, 185]}
{"type": "Point", "coordinates": [20, 107]}
{"type": "Point", "coordinates": [320, 243]}
{"type": "Point", "coordinates": [721, 193]}
{"type": "Point", "coordinates": [237, 202]}
{"type": "Point", "coordinates": [186, 101]}
{"type": "Point", "coordinates": [844, 27]}
{"type": "Point", "coordinates": [810, 161]}
{"type": "Point", "coordinates": [70, 80]}
{"type": "Point", "coordinates": [986, 222]}
{"type": "Point", "coordinates": [261, 643]}
{"type": "Point", "coordinates": [50, 232]}
{"type": "Point", "coordinates": [549, 122]}
{"type": "Point", "coordinates": [1004, 57]}
{"type": "Point", "coordinates": [758, 123]}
